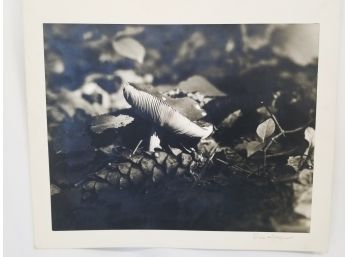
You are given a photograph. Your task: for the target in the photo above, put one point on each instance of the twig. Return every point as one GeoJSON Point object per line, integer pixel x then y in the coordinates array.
{"type": "Point", "coordinates": [304, 161]}
{"type": "Point", "coordinates": [287, 179]}
{"type": "Point", "coordinates": [136, 148]}
{"type": "Point", "coordinates": [222, 161]}
{"type": "Point", "coordinates": [235, 167]}
{"type": "Point", "coordinates": [282, 133]}
{"type": "Point", "coordinates": [243, 170]}
{"type": "Point", "coordinates": [284, 153]}
{"type": "Point", "coordinates": [275, 120]}
{"type": "Point", "coordinates": [212, 154]}
{"type": "Point", "coordinates": [204, 168]}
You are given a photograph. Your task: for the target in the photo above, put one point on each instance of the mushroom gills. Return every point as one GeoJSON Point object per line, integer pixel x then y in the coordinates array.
{"type": "Point", "coordinates": [160, 113]}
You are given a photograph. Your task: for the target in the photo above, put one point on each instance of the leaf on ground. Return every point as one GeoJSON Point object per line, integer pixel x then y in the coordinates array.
{"type": "Point", "coordinates": [303, 204]}
{"type": "Point", "coordinates": [256, 36]}
{"type": "Point", "coordinates": [200, 84]}
{"type": "Point", "coordinates": [130, 76]}
{"type": "Point", "coordinates": [70, 101]}
{"type": "Point", "coordinates": [96, 95]}
{"type": "Point", "coordinates": [263, 111]}
{"type": "Point", "coordinates": [231, 119]}
{"type": "Point", "coordinates": [130, 48]}
{"type": "Point", "coordinates": [54, 189]}
{"type": "Point", "coordinates": [306, 177]}
{"type": "Point", "coordinates": [207, 147]}
{"type": "Point", "coordinates": [103, 122]}
{"type": "Point", "coordinates": [310, 135]}
{"type": "Point", "coordinates": [109, 55]}
{"type": "Point", "coordinates": [108, 149]}
{"type": "Point", "coordinates": [54, 114]}
{"type": "Point", "coordinates": [97, 43]}
{"type": "Point", "coordinates": [189, 47]}
{"type": "Point", "coordinates": [265, 129]}
{"type": "Point", "coordinates": [253, 147]}
{"type": "Point", "coordinates": [297, 42]}
{"type": "Point", "coordinates": [299, 225]}
{"type": "Point", "coordinates": [174, 150]}
{"type": "Point", "coordinates": [187, 107]}
{"type": "Point", "coordinates": [294, 161]}
{"type": "Point", "coordinates": [200, 98]}
{"type": "Point", "coordinates": [118, 102]}
{"type": "Point", "coordinates": [54, 63]}
{"type": "Point", "coordinates": [303, 193]}
{"type": "Point", "coordinates": [130, 31]}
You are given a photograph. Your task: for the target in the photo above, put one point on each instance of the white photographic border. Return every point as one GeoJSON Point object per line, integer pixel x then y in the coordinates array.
{"type": "Point", "coordinates": [325, 12]}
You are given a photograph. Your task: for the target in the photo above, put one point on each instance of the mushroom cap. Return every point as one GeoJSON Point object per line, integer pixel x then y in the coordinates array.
{"type": "Point", "coordinates": [160, 113]}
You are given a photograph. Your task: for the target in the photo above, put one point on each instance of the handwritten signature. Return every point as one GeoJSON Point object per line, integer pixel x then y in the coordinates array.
{"type": "Point", "coordinates": [268, 236]}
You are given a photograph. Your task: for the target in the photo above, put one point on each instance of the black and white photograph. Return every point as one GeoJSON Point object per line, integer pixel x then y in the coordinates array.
{"type": "Point", "coordinates": [181, 127]}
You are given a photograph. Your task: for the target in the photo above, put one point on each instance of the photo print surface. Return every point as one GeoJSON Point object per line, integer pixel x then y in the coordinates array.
{"type": "Point", "coordinates": [181, 127]}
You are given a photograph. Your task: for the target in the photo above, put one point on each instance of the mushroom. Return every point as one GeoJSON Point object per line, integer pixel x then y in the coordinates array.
{"type": "Point", "coordinates": [162, 114]}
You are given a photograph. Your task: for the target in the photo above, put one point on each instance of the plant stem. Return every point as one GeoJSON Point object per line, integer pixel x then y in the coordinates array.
{"type": "Point", "coordinates": [274, 118]}
{"type": "Point", "coordinates": [154, 141]}
{"type": "Point", "coordinates": [282, 133]}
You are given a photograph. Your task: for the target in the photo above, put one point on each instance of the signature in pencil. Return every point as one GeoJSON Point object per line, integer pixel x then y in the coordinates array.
{"type": "Point", "coordinates": [267, 236]}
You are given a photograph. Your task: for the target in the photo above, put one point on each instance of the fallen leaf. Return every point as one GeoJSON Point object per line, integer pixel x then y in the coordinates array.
{"type": "Point", "coordinates": [70, 101]}
{"type": "Point", "coordinates": [174, 150]}
{"type": "Point", "coordinates": [100, 186]}
{"type": "Point", "coordinates": [303, 204]}
{"type": "Point", "coordinates": [303, 193]}
{"type": "Point", "coordinates": [200, 84]}
{"type": "Point", "coordinates": [130, 76]}
{"type": "Point", "coordinates": [98, 43]}
{"type": "Point", "coordinates": [187, 107]}
{"type": "Point", "coordinates": [54, 189]}
{"type": "Point", "coordinates": [306, 177]}
{"type": "Point", "coordinates": [263, 111]}
{"type": "Point", "coordinates": [230, 45]}
{"type": "Point", "coordinates": [130, 48]}
{"type": "Point", "coordinates": [253, 147]}
{"type": "Point", "coordinates": [130, 31]}
{"type": "Point", "coordinates": [103, 122]}
{"type": "Point", "coordinates": [256, 36]}
{"type": "Point", "coordinates": [310, 135]}
{"type": "Point", "coordinates": [89, 185]}
{"type": "Point", "coordinates": [54, 114]}
{"type": "Point", "coordinates": [124, 167]}
{"type": "Point", "coordinates": [299, 225]}
{"type": "Point", "coordinates": [188, 48]}
{"type": "Point", "coordinates": [93, 90]}
{"type": "Point", "coordinates": [109, 55]}
{"type": "Point", "coordinates": [136, 176]}
{"type": "Point", "coordinates": [108, 150]}
{"type": "Point", "coordinates": [265, 129]}
{"type": "Point", "coordinates": [300, 43]}
{"type": "Point", "coordinates": [294, 161]}
{"type": "Point", "coordinates": [231, 119]}
{"type": "Point", "coordinates": [54, 63]}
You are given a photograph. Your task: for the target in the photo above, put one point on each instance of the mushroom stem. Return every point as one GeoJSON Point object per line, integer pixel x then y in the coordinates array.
{"type": "Point", "coordinates": [154, 141]}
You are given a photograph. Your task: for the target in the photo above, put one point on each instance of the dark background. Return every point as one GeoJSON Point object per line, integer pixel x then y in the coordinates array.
{"type": "Point", "coordinates": [248, 63]}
